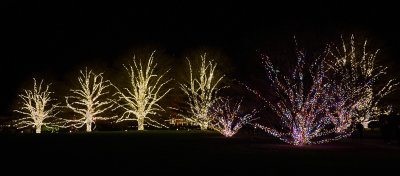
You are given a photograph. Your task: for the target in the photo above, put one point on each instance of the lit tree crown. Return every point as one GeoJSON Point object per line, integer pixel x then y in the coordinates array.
{"type": "Point", "coordinates": [201, 91]}
{"type": "Point", "coordinates": [141, 99]}
{"type": "Point", "coordinates": [227, 118]}
{"type": "Point", "coordinates": [36, 107]}
{"type": "Point", "coordinates": [358, 69]}
{"type": "Point", "coordinates": [88, 100]}
{"type": "Point", "coordinates": [308, 114]}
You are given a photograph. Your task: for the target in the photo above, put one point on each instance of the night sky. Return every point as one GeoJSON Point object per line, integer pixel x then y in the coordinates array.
{"type": "Point", "coordinates": [50, 39]}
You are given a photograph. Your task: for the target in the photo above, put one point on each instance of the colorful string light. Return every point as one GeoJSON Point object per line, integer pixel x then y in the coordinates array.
{"type": "Point", "coordinates": [307, 114]}
{"type": "Point", "coordinates": [227, 118]}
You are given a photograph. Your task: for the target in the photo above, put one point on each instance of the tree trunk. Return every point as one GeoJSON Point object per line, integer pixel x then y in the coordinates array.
{"type": "Point", "coordinates": [38, 129]}
{"type": "Point", "coordinates": [365, 124]}
{"type": "Point", "coordinates": [203, 125]}
{"type": "Point", "coordinates": [88, 127]}
{"type": "Point", "coordinates": [140, 123]}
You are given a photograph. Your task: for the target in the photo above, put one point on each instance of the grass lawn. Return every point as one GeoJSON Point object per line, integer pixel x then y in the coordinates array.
{"type": "Point", "coordinates": [189, 152]}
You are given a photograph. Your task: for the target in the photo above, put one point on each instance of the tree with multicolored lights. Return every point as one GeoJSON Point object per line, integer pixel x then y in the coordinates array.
{"type": "Point", "coordinates": [36, 108]}
{"type": "Point", "coordinates": [311, 107]}
{"type": "Point", "coordinates": [88, 101]}
{"type": "Point", "coordinates": [357, 67]}
{"type": "Point", "coordinates": [201, 91]}
{"type": "Point", "coordinates": [141, 99]}
{"type": "Point", "coordinates": [228, 118]}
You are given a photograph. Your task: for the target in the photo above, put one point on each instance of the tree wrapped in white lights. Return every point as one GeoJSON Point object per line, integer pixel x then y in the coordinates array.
{"type": "Point", "coordinates": [311, 108]}
{"type": "Point", "coordinates": [36, 107]}
{"type": "Point", "coordinates": [227, 118]}
{"type": "Point", "coordinates": [201, 92]}
{"type": "Point", "coordinates": [88, 101]}
{"type": "Point", "coordinates": [141, 99]}
{"type": "Point", "coordinates": [357, 68]}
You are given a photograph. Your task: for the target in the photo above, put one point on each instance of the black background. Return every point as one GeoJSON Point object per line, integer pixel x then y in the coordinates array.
{"type": "Point", "coordinates": [49, 39]}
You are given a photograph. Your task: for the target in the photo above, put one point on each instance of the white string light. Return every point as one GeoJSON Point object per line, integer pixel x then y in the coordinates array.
{"type": "Point", "coordinates": [201, 92]}
{"type": "Point", "coordinates": [358, 68]}
{"type": "Point", "coordinates": [141, 99]}
{"type": "Point", "coordinates": [36, 108]}
{"type": "Point", "coordinates": [88, 101]}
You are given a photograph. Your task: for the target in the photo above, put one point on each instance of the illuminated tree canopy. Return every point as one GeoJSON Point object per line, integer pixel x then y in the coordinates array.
{"type": "Point", "coordinates": [228, 118]}
{"type": "Point", "coordinates": [141, 99]}
{"type": "Point", "coordinates": [36, 107]}
{"type": "Point", "coordinates": [201, 91]}
{"type": "Point", "coordinates": [311, 108]}
{"type": "Point", "coordinates": [357, 68]}
{"type": "Point", "coordinates": [88, 101]}
{"type": "Point", "coordinates": [317, 101]}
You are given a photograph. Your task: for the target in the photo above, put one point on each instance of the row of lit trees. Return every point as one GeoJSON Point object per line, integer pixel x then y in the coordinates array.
{"type": "Point", "coordinates": [139, 101]}
{"type": "Point", "coordinates": [317, 103]}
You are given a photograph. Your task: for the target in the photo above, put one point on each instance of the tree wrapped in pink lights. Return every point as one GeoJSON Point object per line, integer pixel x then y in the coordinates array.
{"type": "Point", "coordinates": [311, 107]}
{"type": "Point", "coordinates": [227, 117]}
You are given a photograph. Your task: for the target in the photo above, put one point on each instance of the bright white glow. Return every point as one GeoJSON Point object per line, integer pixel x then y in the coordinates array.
{"type": "Point", "coordinates": [201, 92]}
{"type": "Point", "coordinates": [140, 100]}
{"type": "Point", "coordinates": [88, 101]}
{"type": "Point", "coordinates": [36, 108]}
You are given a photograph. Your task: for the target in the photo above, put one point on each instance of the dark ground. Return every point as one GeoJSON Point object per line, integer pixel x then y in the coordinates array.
{"type": "Point", "coordinates": [188, 153]}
